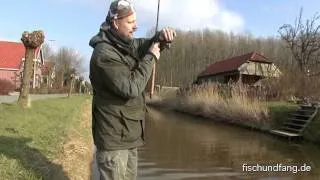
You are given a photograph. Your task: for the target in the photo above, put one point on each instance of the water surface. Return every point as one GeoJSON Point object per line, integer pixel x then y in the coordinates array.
{"type": "Point", "coordinates": [183, 147]}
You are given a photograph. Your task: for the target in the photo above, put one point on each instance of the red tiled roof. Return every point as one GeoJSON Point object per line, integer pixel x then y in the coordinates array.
{"type": "Point", "coordinates": [12, 53]}
{"type": "Point", "coordinates": [233, 63]}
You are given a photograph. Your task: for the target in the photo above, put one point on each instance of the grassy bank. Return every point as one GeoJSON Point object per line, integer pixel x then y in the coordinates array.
{"type": "Point", "coordinates": [278, 111]}
{"type": "Point", "coordinates": [233, 104]}
{"type": "Point", "coordinates": [312, 132]}
{"type": "Point", "coordinates": [77, 154]}
{"type": "Point", "coordinates": [217, 103]}
{"type": "Point", "coordinates": [32, 140]}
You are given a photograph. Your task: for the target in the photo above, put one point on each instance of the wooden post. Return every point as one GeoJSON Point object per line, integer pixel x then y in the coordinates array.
{"type": "Point", "coordinates": [31, 42]}
{"type": "Point", "coordinates": [153, 80]}
{"type": "Point", "coordinates": [34, 73]}
{"type": "Point", "coordinates": [154, 66]}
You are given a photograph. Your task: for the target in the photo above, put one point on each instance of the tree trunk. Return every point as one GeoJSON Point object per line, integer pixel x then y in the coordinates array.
{"type": "Point", "coordinates": [49, 80]}
{"type": "Point", "coordinates": [24, 100]}
{"type": "Point", "coordinates": [71, 87]}
{"type": "Point", "coordinates": [80, 87]}
{"type": "Point", "coordinates": [31, 42]}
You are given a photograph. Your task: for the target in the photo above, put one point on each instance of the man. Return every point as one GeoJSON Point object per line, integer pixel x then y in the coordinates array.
{"type": "Point", "coordinates": [120, 68]}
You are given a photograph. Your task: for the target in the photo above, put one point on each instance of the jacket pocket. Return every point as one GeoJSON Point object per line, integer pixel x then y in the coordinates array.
{"type": "Point", "coordinates": [133, 113]}
{"type": "Point", "coordinates": [107, 158]}
{"type": "Point", "coordinates": [132, 129]}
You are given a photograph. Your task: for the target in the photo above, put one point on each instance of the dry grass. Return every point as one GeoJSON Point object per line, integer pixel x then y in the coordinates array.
{"type": "Point", "coordinates": [229, 104]}
{"type": "Point", "coordinates": [295, 86]}
{"type": "Point", "coordinates": [77, 153]}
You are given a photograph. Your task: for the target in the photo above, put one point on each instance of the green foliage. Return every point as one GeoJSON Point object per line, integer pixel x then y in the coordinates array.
{"type": "Point", "coordinates": [312, 132]}
{"type": "Point", "coordinates": [279, 112]}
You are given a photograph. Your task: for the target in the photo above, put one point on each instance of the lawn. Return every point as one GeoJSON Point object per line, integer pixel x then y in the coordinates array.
{"type": "Point", "coordinates": [32, 139]}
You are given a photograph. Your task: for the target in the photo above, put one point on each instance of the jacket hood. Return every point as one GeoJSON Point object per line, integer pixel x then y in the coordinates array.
{"type": "Point", "coordinates": [111, 36]}
{"type": "Point", "coordinates": [101, 36]}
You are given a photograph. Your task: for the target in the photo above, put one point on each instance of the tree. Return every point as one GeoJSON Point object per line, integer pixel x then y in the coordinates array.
{"type": "Point", "coordinates": [67, 61]}
{"type": "Point", "coordinates": [31, 41]}
{"type": "Point", "coordinates": [303, 40]}
{"type": "Point", "coordinates": [72, 82]}
{"type": "Point", "coordinates": [193, 51]}
{"type": "Point", "coordinates": [81, 84]}
{"type": "Point", "coordinates": [88, 87]}
{"type": "Point", "coordinates": [47, 51]}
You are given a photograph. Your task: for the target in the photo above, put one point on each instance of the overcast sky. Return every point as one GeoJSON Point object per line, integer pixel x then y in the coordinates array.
{"type": "Point", "coordinates": [72, 23]}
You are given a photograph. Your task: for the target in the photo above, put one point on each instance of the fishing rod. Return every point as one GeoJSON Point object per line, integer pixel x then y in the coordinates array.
{"type": "Point", "coordinates": [154, 65]}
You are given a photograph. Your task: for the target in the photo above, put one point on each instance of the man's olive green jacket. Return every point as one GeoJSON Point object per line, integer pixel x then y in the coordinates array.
{"type": "Point", "coordinates": [119, 79]}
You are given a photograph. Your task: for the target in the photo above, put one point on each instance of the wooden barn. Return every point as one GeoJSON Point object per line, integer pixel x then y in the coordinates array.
{"type": "Point", "coordinates": [247, 68]}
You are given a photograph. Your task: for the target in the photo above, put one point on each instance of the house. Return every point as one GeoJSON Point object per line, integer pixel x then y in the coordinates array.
{"type": "Point", "coordinates": [12, 56]}
{"type": "Point", "coordinates": [248, 68]}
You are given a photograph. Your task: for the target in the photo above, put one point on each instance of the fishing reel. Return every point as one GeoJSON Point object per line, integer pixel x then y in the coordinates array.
{"type": "Point", "coordinates": [163, 43]}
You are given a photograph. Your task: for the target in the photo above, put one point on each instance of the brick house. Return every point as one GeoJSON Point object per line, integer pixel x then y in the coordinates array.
{"type": "Point", "coordinates": [248, 68]}
{"type": "Point", "coordinates": [12, 56]}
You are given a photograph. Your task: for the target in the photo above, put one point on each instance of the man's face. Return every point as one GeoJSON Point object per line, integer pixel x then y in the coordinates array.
{"type": "Point", "coordinates": [126, 26]}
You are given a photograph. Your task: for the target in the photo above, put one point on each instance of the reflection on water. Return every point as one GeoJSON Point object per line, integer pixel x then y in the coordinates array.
{"type": "Point", "coordinates": [184, 147]}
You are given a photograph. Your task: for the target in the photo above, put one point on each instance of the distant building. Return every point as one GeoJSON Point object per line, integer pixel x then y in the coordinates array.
{"type": "Point", "coordinates": [48, 73]}
{"type": "Point", "coordinates": [248, 68]}
{"type": "Point", "coordinates": [12, 56]}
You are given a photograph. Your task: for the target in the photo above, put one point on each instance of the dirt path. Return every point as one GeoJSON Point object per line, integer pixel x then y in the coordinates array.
{"type": "Point", "coordinates": [77, 153]}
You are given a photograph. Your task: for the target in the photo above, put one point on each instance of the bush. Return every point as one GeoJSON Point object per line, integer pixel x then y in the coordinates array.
{"type": "Point", "coordinates": [62, 90]}
{"type": "Point", "coordinates": [46, 90]}
{"type": "Point", "coordinates": [6, 86]}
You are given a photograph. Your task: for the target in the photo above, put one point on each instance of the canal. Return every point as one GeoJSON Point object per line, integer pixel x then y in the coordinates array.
{"type": "Point", "coordinates": [183, 147]}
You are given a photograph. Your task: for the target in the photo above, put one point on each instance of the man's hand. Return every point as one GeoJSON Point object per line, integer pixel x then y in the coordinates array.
{"type": "Point", "coordinates": [167, 35]}
{"type": "Point", "coordinates": [155, 50]}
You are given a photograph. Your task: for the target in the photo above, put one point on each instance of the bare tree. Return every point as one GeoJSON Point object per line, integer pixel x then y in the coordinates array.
{"type": "Point", "coordinates": [72, 78]}
{"type": "Point", "coordinates": [68, 61]}
{"type": "Point", "coordinates": [303, 39]}
{"type": "Point", "coordinates": [193, 51]}
{"type": "Point", "coordinates": [81, 83]}
{"type": "Point", "coordinates": [47, 51]}
{"type": "Point", "coordinates": [31, 41]}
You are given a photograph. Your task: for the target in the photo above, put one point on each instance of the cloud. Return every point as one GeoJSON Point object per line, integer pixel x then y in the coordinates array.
{"type": "Point", "coordinates": [182, 14]}
{"type": "Point", "coordinates": [188, 14]}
